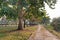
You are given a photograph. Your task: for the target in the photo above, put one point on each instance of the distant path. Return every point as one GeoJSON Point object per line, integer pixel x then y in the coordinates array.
{"type": "Point", "coordinates": [43, 34]}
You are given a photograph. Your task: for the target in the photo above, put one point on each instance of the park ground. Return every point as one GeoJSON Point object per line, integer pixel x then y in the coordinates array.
{"type": "Point", "coordinates": [9, 32]}
{"type": "Point", "coordinates": [37, 32]}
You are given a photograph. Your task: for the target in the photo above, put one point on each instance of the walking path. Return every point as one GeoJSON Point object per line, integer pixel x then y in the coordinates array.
{"type": "Point", "coordinates": [43, 34]}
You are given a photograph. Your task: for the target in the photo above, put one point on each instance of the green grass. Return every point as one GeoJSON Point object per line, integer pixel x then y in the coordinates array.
{"type": "Point", "coordinates": [7, 28]}
{"type": "Point", "coordinates": [51, 29]}
{"type": "Point", "coordinates": [16, 35]}
{"type": "Point", "coordinates": [31, 28]}
{"type": "Point", "coordinates": [3, 35]}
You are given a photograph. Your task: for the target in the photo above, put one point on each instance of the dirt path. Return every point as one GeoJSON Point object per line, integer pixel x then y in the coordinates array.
{"type": "Point", "coordinates": [43, 34]}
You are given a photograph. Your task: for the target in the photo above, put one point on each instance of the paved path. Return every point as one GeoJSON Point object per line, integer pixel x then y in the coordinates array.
{"type": "Point", "coordinates": [43, 34]}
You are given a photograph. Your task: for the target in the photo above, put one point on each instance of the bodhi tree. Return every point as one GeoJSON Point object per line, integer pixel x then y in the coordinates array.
{"type": "Point", "coordinates": [15, 8]}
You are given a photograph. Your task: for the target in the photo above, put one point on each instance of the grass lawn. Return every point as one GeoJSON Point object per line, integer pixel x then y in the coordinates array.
{"type": "Point", "coordinates": [51, 29]}
{"type": "Point", "coordinates": [6, 33]}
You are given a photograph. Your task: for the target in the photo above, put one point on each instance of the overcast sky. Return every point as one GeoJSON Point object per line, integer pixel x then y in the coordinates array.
{"type": "Point", "coordinates": [54, 12]}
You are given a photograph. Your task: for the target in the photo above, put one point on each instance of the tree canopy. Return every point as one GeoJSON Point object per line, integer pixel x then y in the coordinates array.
{"type": "Point", "coordinates": [10, 7]}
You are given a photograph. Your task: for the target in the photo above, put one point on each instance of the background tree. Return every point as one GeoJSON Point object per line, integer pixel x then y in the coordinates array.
{"type": "Point", "coordinates": [56, 23]}
{"type": "Point", "coordinates": [45, 20]}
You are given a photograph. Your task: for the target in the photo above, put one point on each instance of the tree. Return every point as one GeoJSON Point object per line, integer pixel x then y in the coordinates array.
{"type": "Point", "coordinates": [17, 9]}
{"type": "Point", "coordinates": [45, 20]}
{"type": "Point", "coordinates": [56, 23]}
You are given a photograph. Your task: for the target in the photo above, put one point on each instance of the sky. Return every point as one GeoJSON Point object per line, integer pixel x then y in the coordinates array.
{"type": "Point", "coordinates": [53, 12]}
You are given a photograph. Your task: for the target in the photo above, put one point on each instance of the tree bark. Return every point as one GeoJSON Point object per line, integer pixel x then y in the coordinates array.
{"type": "Point", "coordinates": [24, 23]}
{"type": "Point", "coordinates": [20, 25]}
{"type": "Point", "coordinates": [20, 15]}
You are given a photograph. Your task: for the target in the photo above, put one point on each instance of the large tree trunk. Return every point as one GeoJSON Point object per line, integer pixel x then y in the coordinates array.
{"type": "Point", "coordinates": [20, 15]}
{"type": "Point", "coordinates": [20, 25]}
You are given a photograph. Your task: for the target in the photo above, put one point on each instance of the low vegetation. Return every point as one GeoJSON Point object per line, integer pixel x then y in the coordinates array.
{"type": "Point", "coordinates": [10, 33]}
{"type": "Point", "coordinates": [51, 29]}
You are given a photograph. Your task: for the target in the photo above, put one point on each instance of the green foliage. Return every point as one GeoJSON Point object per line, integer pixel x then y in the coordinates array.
{"type": "Point", "coordinates": [56, 23]}
{"type": "Point", "coordinates": [45, 20]}
{"type": "Point", "coordinates": [33, 8]}
{"type": "Point", "coordinates": [51, 3]}
{"type": "Point", "coordinates": [9, 12]}
{"type": "Point", "coordinates": [12, 2]}
{"type": "Point", "coordinates": [6, 10]}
